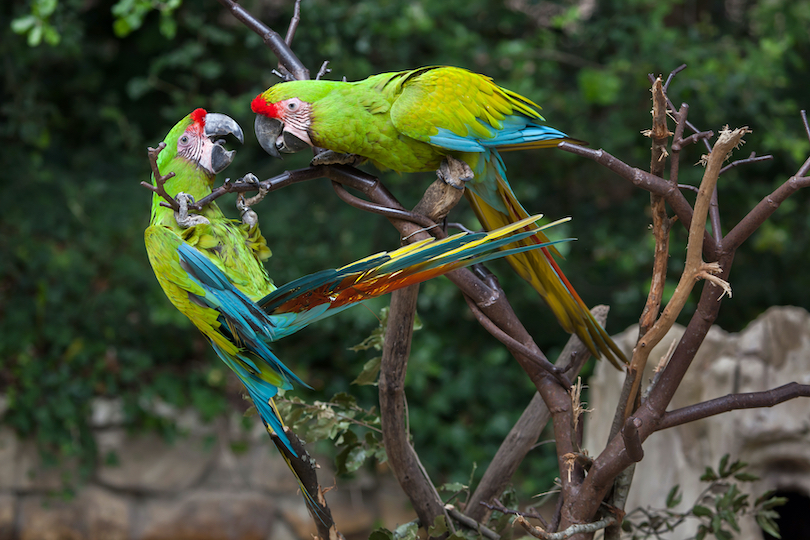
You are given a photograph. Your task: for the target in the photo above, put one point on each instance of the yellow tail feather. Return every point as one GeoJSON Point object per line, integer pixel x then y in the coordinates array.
{"type": "Point", "coordinates": [541, 271]}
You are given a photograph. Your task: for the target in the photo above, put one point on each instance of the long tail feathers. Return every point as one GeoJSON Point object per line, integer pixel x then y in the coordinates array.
{"type": "Point", "coordinates": [539, 268]}
{"type": "Point", "coordinates": [331, 291]}
{"type": "Point", "coordinates": [281, 440]}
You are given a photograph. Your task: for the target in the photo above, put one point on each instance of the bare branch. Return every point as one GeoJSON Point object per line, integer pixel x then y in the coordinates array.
{"type": "Point", "coordinates": [578, 528]}
{"type": "Point", "coordinates": [672, 74]}
{"type": "Point", "coordinates": [763, 210]}
{"type": "Point", "coordinates": [160, 180]}
{"type": "Point", "coordinates": [471, 523]}
{"type": "Point", "coordinates": [296, 19]}
{"type": "Point", "coordinates": [753, 158]}
{"type": "Point", "coordinates": [731, 402]}
{"type": "Point", "coordinates": [323, 71]}
{"type": "Point", "coordinates": [271, 38]}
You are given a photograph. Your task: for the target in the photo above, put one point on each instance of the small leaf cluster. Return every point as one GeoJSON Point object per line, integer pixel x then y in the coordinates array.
{"type": "Point", "coordinates": [354, 431]}
{"type": "Point", "coordinates": [718, 508]}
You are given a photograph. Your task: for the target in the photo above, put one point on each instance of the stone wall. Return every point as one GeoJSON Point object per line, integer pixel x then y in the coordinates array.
{"type": "Point", "coordinates": [772, 351]}
{"type": "Point", "coordinates": [216, 481]}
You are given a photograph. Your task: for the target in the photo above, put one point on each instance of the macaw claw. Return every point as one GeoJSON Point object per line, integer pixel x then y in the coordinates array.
{"type": "Point", "coordinates": [249, 217]}
{"type": "Point", "coordinates": [182, 216]}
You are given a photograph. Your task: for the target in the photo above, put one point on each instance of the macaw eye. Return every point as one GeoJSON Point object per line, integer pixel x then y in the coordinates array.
{"type": "Point", "coordinates": [184, 139]}
{"type": "Point", "coordinates": [292, 106]}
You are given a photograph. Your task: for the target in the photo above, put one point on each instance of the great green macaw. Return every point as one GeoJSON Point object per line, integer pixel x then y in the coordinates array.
{"type": "Point", "coordinates": [409, 121]}
{"type": "Point", "coordinates": [212, 270]}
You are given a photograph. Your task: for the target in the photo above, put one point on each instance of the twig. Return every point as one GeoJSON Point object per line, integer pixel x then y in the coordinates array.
{"type": "Point", "coordinates": [803, 114]}
{"type": "Point", "coordinates": [296, 19]}
{"type": "Point", "coordinates": [753, 158]}
{"type": "Point", "coordinates": [386, 211]}
{"type": "Point", "coordinates": [323, 71]}
{"type": "Point", "coordinates": [160, 180]}
{"type": "Point", "coordinates": [499, 507]}
{"type": "Point", "coordinates": [471, 523]}
{"type": "Point", "coordinates": [578, 528]}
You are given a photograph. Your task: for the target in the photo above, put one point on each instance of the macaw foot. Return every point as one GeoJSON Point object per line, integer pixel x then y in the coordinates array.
{"type": "Point", "coordinates": [455, 172]}
{"type": "Point", "coordinates": [249, 217]}
{"type": "Point", "coordinates": [181, 215]}
{"type": "Point", "coordinates": [330, 157]}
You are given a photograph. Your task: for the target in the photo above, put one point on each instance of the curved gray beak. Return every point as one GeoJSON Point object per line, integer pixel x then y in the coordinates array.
{"type": "Point", "coordinates": [267, 131]}
{"type": "Point", "coordinates": [218, 126]}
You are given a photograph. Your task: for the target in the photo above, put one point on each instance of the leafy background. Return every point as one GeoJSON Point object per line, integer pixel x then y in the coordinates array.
{"type": "Point", "coordinates": [87, 86]}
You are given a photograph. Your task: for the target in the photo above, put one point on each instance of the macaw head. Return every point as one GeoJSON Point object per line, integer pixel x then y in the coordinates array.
{"type": "Point", "coordinates": [284, 116]}
{"type": "Point", "coordinates": [199, 138]}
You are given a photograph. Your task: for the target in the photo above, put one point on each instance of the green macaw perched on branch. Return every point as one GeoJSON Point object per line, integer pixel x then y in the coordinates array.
{"type": "Point", "coordinates": [210, 267]}
{"type": "Point", "coordinates": [409, 121]}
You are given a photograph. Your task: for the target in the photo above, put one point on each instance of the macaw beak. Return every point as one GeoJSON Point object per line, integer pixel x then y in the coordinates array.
{"type": "Point", "coordinates": [218, 126]}
{"type": "Point", "coordinates": [273, 138]}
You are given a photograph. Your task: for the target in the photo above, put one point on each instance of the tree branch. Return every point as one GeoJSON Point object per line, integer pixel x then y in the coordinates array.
{"type": "Point", "coordinates": [731, 402]}
{"type": "Point", "coordinates": [271, 38]}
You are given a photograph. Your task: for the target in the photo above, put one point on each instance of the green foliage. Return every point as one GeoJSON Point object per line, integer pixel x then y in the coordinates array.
{"type": "Point", "coordinates": [354, 431]}
{"type": "Point", "coordinates": [82, 316]}
{"type": "Point", "coordinates": [717, 509]}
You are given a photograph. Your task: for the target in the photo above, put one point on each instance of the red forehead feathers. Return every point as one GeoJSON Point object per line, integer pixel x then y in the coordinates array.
{"type": "Point", "coordinates": [260, 106]}
{"type": "Point", "coordinates": [198, 116]}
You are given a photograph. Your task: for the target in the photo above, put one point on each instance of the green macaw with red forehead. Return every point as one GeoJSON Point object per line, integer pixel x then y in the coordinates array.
{"type": "Point", "coordinates": [409, 121]}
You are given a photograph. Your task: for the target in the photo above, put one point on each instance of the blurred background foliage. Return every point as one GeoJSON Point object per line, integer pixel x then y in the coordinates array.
{"type": "Point", "coordinates": [88, 85]}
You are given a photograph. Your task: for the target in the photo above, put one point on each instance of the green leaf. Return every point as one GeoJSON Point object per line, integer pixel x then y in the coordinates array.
{"type": "Point", "coordinates": [674, 497]}
{"type": "Point", "coordinates": [21, 25]}
{"type": "Point", "coordinates": [709, 475]}
{"type": "Point", "coordinates": [439, 526]}
{"type": "Point", "coordinates": [701, 511]}
{"type": "Point", "coordinates": [371, 370]}
{"type": "Point", "coordinates": [408, 531]}
{"type": "Point", "coordinates": [773, 502]}
{"type": "Point", "coordinates": [768, 525]}
{"type": "Point", "coordinates": [746, 477]}
{"type": "Point", "coordinates": [381, 534]}
{"type": "Point", "coordinates": [722, 468]}
{"type": "Point", "coordinates": [355, 458]}
{"type": "Point", "coordinates": [722, 534]}
{"type": "Point", "coordinates": [452, 487]}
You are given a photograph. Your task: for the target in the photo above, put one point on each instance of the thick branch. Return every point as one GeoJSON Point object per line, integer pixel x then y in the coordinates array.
{"type": "Point", "coordinates": [304, 467]}
{"type": "Point", "coordinates": [401, 455]}
{"type": "Point", "coordinates": [731, 402]}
